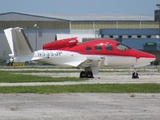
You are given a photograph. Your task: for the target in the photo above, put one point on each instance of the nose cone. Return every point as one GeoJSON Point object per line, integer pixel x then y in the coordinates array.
{"type": "Point", "coordinates": [150, 57]}
{"type": "Point", "coordinates": [141, 54]}
{"type": "Point", "coordinates": [147, 55]}
{"type": "Point", "coordinates": [144, 58]}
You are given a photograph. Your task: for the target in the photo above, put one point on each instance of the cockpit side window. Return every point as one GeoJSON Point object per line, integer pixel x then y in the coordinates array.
{"type": "Point", "coordinates": [122, 47]}
{"type": "Point", "coordinates": [98, 47]}
{"type": "Point", "coordinates": [88, 48]}
{"type": "Point", "coordinates": [108, 47]}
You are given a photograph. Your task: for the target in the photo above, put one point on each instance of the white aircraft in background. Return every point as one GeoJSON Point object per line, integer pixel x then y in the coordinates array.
{"type": "Point", "coordinates": [88, 55]}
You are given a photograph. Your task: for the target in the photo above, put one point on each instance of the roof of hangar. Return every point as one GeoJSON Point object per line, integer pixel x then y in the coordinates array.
{"type": "Point", "coordinates": [76, 17]}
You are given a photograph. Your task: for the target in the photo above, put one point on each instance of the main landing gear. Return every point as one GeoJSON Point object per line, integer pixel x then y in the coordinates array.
{"type": "Point", "coordinates": [135, 75]}
{"type": "Point", "coordinates": [86, 74]}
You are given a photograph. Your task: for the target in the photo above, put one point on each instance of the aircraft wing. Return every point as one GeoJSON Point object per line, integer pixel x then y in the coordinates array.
{"type": "Point", "coordinates": [74, 63]}
{"type": "Point", "coordinates": [88, 62]}
{"type": "Point", "coordinates": [93, 62]}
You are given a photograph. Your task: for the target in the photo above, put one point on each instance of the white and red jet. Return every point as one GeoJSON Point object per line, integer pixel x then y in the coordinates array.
{"type": "Point", "coordinates": [88, 55]}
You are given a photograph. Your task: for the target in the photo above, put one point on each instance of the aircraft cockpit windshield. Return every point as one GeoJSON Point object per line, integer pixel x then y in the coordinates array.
{"type": "Point", "coordinates": [122, 47]}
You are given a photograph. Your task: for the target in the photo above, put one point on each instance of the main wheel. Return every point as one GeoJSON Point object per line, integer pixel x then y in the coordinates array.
{"type": "Point", "coordinates": [89, 74]}
{"type": "Point", "coordinates": [82, 74]}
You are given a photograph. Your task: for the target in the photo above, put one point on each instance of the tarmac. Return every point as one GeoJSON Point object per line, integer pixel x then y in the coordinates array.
{"type": "Point", "coordinates": [80, 106]}
{"type": "Point", "coordinates": [83, 106]}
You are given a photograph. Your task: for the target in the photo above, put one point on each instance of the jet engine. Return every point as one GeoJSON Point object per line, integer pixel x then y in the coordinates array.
{"type": "Point", "coordinates": [60, 44]}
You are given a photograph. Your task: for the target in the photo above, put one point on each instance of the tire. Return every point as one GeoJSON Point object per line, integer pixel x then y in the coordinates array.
{"type": "Point", "coordinates": [135, 75]}
{"type": "Point", "coordinates": [89, 74]}
{"type": "Point", "coordinates": [83, 74]}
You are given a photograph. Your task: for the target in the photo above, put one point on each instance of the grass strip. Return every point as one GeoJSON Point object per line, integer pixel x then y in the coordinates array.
{"type": "Point", "coordinates": [39, 71]}
{"type": "Point", "coordinates": [85, 88]}
{"type": "Point", "coordinates": [6, 77]}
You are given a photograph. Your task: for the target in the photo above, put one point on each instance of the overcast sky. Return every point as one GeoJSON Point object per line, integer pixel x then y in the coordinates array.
{"type": "Point", "coordinates": [145, 7]}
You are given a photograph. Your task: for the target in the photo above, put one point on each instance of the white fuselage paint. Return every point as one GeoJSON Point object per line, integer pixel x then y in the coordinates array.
{"type": "Point", "coordinates": [61, 57]}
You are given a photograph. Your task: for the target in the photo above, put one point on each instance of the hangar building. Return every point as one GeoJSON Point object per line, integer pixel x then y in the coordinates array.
{"type": "Point", "coordinates": [138, 31]}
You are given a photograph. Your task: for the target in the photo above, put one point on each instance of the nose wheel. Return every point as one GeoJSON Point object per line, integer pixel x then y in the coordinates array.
{"type": "Point", "coordinates": [135, 75]}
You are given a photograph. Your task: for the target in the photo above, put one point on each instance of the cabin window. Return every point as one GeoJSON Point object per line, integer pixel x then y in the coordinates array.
{"type": "Point", "coordinates": [98, 47]}
{"type": "Point", "coordinates": [88, 48]}
{"type": "Point", "coordinates": [108, 47]}
{"type": "Point", "coordinates": [122, 47]}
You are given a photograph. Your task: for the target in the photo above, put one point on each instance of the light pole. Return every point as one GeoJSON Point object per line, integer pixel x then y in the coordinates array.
{"type": "Point", "coordinates": [35, 26]}
{"type": "Point", "coordinates": [27, 31]}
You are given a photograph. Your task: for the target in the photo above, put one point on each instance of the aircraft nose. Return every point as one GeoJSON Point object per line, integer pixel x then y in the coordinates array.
{"type": "Point", "coordinates": [144, 58]}
{"type": "Point", "coordinates": [144, 54]}
{"type": "Point", "coordinates": [149, 57]}
{"type": "Point", "coordinates": [152, 57]}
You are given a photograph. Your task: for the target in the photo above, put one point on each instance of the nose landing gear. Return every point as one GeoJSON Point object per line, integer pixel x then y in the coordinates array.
{"type": "Point", "coordinates": [135, 75]}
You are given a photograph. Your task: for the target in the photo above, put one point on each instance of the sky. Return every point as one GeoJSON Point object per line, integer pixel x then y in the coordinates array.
{"type": "Point", "coordinates": [143, 7]}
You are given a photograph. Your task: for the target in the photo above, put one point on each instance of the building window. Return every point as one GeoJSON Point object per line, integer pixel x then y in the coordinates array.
{"type": "Point", "coordinates": [120, 36]}
{"type": "Point", "coordinates": [111, 36]}
{"type": "Point", "coordinates": [148, 36]}
{"type": "Point", "coordinates": [102, 36]}
{"type": "Point", "coordinates": [129, 36]}
{"type": "Point", "coordinates": [139, 36]}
